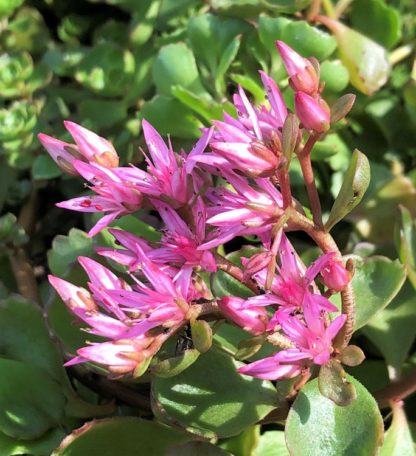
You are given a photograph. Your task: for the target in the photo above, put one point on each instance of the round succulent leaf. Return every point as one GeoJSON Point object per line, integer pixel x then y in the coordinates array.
{"type": "Point", "coordinates": [207, 397]}
{"type": "Point", "coordinates": [25, 337]}
{"type": "Point", "coordinates": [366, 61]}
{"type": "Point", "coordinates": [45, 168]}
{"type": "Point", "coordinates": [244, 443]}
{"type": "Point", "coordinates": [377, 20]}
{"type": "Point", "coordinates": [31, 401]}
{"type": "Point", "coordinates": [43, 446]}
{"type": "Point", "coordinates": [175, 65]}
{"type": "Point", "coordinates": [66, 249]}
{"type": "Point", "coordinates": [398, 439]}
{"type": "Point", "coordinates": [170, 117]}
{"type": "Point", "coordinates": [393, 330]}
{"type": "Point", "coordinates": [316, 425]}
{"type": "Point", "coordinates": [335, 75]}
{"type": "Point", "coordinates": [308, 41]}
{"type": "Point", "coordinates": [272, 443]}
{"type": "Point", "coordinates": [125, 436]}
{"type": "Point", "coordinates": [197, 448]}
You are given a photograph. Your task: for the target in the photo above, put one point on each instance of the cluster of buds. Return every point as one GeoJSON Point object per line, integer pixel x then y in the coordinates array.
{"type": "Point", "coordinates": [166, 285]}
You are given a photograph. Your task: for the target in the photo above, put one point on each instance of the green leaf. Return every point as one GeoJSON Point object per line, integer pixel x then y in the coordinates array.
{"type": "Point", "coordinates": [243, 444]}
{"type": "Point", "coordinates": [394, 329]}
{"type": "Point", "coordinates": [8, 6]}
{"type": "Point", "coordinates": [308, 41]}
{"type": "Point", "coordinates": [405, 234]}
{"type": "Point", "coordinates": [24, 336]}
{"type": "Point", "coordinates": [171, 117]}
{"type": "Point", "coordinates": [218, 31]}
{"type": "Point", "coordinates": [236, 8]}
{"type": "Point", "coordinates": [330, 145]}
{"type": "Point", "coordinates": [174, 366]}
{"type": "Point", "coordinates": [125, 436]}
{"type": "Point", "coordinates": [377, 20]}
{"type": "Point", "coordinates": [366, 61]}
{"type": "Point", "coordinates": [316, 425]}
{"type": "Point", "coordinates": [355, 184]}
{"type": "Point", "coordinates": [335, 75]}
{"type": "Point", "coordinates": [222, 284]}
{"type": "Point", "coordinates": [372, 374]}
{"type": "Point", "coordinates": [272, 443]}
{"type": "Point", "coordinates": [45, 168]}
{"type": "Point", "coordinates": [201, 335]}
{"type": "Point", "coordinates": [398, 439]}
{"type": "Point", "coordinates": [333, 384]}
{"type": "Point", "coordinates": [103, 113]}
{"type": "Point", "coordinates": [207, 109]}
{"type": "Point", "coordinates": [66, 249]}
{"type": "Point", "coordinates": [38, 447]}
{"type": "Point", "coordinates": [134, 225]}
{"type": "Point", "coordinates": [226, 60]}
{"type": "Point", "coordinates": [207, 397]}
{"type": "Point", "coordinates": [31, 401]}
{"type": "Point", "coordinates": [376, 281]}
{"type": "Point", "coordinates": [175, 65]}
{"type": "Point", "coordinates": [107, 69]}
{"type": "Point", "coordinates": [197, 448]}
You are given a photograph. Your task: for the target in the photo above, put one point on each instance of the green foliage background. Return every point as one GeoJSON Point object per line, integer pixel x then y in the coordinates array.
{"type": "Point", "coordinates": [108, 64]}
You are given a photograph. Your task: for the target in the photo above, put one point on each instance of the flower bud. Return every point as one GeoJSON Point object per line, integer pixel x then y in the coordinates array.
{"type": "Point", "coordinates": [313, 113]}
{"type": "Point", "coordinates": [61, 152]}
{"type": "Point", "coordinates": [93, 147]}
{"type": "Point", "coordinates": [303, 75]}
{"type": "Point", "coordinates": [251, 318]}
{"type": "Point", "coordinates": [335, 276]}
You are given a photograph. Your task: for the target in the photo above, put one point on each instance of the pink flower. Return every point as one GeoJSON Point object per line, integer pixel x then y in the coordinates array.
{"type": "Point", "coordinates": [247, 210]}
{"type": "Point", "coordinates": [335, 276]}
{"type": "Point", "coordinates": [89, 147]}
{"type": "Point", "coordinates": [125, 314]}
{"type": "Point", "coordinates": [314, 113]}
{"type": "Point", "coordinates": [246, 313]}
{"type": "Point", "coordinates": [168, 175]}
{"type": "Point", "coordinates": [312, 343]}
{"type": "Point", "coordinates": [303, 76]}
{"type": "Point", "coordinates": [93, 147]}
{"type": "Point", "coordinates": [114, 195]}
{"type": "Point", "coordinates": [61, 152]}
{"type": "Point", "coordinates": [293, 280]}
{"type": "Point", "coordinates": [251, 143]}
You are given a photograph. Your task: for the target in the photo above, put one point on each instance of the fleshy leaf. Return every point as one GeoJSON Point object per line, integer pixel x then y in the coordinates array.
{"type": "Point", "coordinates": [272, 443]}
{"type": "Point", "coordinates": [394, 329]}
{"type": "Point", "coordinates": [31, 402]}
{"type": "Point", "coordinates": [366, 61]}
{"type": "Point", "coordinates": [207, 397]}
{"type": "Point", "coordinates": [333, 384]}
{"type": "Point", "coordinates": [376, 281]}
{"type": "Point", "coordinates": [398, 439]}
{"type": "Point", "coordinates": [356, 182]}
{"type": "Point", "coordinates": [125, 436]}
{"type": "Point", "coordinates": [316, 425]}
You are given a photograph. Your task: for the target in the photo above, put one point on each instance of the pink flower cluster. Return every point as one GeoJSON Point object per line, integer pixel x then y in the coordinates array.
{"type": "Point", "coordinates": [241, 155]}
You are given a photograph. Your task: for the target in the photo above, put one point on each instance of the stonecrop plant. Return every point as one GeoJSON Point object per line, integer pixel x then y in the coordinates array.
{"type": "Point", "coordinates": [234, 182]}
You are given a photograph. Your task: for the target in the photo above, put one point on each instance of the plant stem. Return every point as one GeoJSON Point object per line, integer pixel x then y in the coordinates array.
{"type": "Point", "coordinates": [305, 162]}
{"type": "Point", "coordinates": [329, 8]}
{"type": "Point", "coordinates": [340, 7]}
{"type": "Point", "coordinates": [313, 10]}
{"type": "Point", "coordinates": [284, 182]}
{"type": "Point", "coordinates": [23, 273]}
{"type": "Point", "coordinates": [327, 244]}
{"type": "Point", "coordinates": [397, 391]}
{"type": "Point", "coordinates": [111, 389]}
{"type": "Point", "coordinates": [234, 271]}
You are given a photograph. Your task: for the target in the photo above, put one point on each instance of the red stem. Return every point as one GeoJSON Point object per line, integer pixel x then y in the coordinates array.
{"type": "Point", "coordinates": [305, 162]}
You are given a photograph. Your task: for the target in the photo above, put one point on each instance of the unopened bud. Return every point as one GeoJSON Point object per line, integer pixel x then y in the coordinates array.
{"type": "Point", "coordinates": [312, 112]}
{"type": "Point", "coordinates": [303, 75]}
{"type": "Point", "coordinates": [335, 276]}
